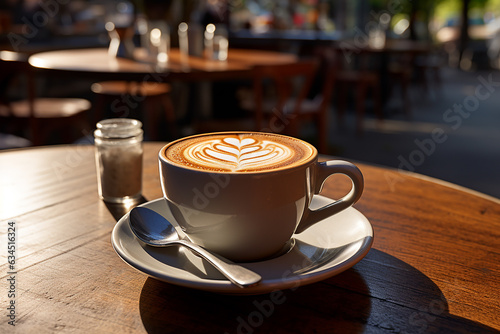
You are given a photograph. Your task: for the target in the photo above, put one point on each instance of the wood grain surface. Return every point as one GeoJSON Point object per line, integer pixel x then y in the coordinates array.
{"type": "Point", "coordinates": [434, 266]}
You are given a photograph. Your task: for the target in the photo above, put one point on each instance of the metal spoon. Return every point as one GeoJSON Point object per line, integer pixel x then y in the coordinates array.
{"type": "Point", "coordinates": [153, 229]}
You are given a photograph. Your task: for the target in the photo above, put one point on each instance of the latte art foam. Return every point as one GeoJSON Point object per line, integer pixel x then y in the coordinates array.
{"type": "Point", "coordinates": [238, 152]}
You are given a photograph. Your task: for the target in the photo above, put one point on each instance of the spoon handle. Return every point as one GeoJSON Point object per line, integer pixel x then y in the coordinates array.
{"type": "Point", "coordinates": [237, 274]}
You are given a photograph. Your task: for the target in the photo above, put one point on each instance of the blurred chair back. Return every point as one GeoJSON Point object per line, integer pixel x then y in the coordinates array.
{"type": "Point", "coordinates": [12, 65]}
{"type": "Point", "coordinates": [151, 95]}
{"type": "Point", "coordinates": [281, 95]}
{"type": "Point", "coordinates": [39, 116]}
{"type": "Point", "coordinates": [358, 69]}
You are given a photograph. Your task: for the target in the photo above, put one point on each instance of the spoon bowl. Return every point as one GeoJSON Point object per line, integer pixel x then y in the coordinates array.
{"type": "Point", "coordinates": [154, 230]}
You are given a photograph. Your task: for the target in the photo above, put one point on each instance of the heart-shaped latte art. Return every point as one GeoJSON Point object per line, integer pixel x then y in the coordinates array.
{"type": "Point", "coordinates": [236, 153]}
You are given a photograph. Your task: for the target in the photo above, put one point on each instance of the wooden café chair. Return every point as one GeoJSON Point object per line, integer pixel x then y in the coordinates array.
{"type": "Point", "coordinates": [41, 116]}
{"type": "Point", "coordinates": [400, 72]}
{"type": "Point", "coordinates": [281, 97]}
{"type": "Point", "coordinates": [356, 72]}
{"type": "Point", "coordinates": [150, 95]}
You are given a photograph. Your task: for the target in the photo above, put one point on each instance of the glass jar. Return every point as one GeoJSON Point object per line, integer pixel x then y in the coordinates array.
{"type": "Point", "coordinates": [119, 153]}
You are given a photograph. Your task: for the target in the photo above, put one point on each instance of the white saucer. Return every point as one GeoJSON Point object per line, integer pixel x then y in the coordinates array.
{"type": "Point", "coordinates": [323, 250]}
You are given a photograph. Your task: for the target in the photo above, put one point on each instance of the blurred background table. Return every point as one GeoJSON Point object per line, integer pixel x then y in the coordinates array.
{"type": "Point", "coordinates": [201, 85]}
{"type": "Point", "coordinates": [97, 62]}
{"type": "Point", "coordinates": [434, 265]}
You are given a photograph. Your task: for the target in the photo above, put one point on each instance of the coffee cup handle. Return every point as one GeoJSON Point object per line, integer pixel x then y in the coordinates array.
{"type": "Point", "coordinates": [323, 171]}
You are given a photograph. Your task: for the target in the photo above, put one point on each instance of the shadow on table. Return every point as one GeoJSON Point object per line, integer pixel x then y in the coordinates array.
{"type": "Point", "coordinates": [363, 298]}
{"type": "Point", "coordinates": [405, 300]}
{"type": "Point", "coordinates": [118, 210]}
{"type": "Point", "coordinates": [166, 308]}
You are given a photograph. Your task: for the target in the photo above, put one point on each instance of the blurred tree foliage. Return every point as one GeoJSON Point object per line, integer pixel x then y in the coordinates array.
{"type": "Point", "coordinates": [424, 10]}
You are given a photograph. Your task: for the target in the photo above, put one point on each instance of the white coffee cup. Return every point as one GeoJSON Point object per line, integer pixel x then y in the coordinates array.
{"type": "Point", "coordinates": [231, 193]}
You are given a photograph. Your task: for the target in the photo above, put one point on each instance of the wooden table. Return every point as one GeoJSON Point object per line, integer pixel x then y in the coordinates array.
{"type": "Point", "coordinates": [434, 265]}
{"type": "Point", "coordinates": [97, 63]}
